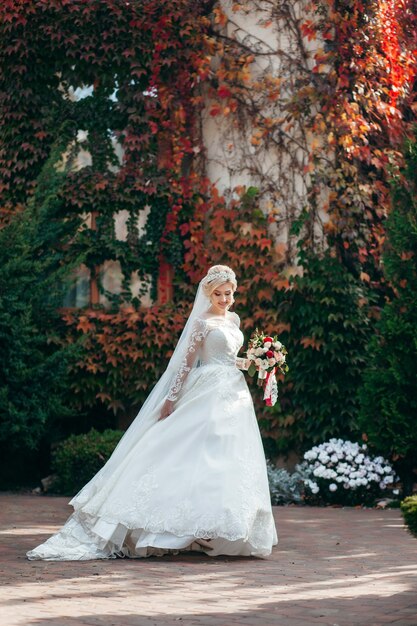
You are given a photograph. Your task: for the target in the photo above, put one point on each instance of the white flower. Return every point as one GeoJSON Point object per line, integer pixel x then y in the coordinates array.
{"type": "Point", "coordinates": [277, 345]}
{"type": "Point", "coordinates": [271, 362]}
{"type": "Point", "coordinates": [312, 485]}
{"type": "Point", "coordinates": [259, 351]}
{"type": "Point", "coordinates": [333, 487]}
{"type": "Point", "coordinates": [395, 492]}
{"type": "Point", "coordinates": [349, 464]}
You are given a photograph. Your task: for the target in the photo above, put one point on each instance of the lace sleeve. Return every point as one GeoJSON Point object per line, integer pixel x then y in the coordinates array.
{"type": "Point", "coordinates": [241, 362]}
{"type": "Point", "coordinates": [235, 318]}
{"type": "Point", "coordinates": [197, 336]}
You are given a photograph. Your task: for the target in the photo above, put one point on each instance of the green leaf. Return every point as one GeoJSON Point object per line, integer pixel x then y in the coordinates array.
{"type": "Point", "coordinates": [252, 369]}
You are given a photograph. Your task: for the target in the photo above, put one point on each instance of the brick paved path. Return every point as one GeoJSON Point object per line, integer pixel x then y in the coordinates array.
{"type": "Point", "coordinates": [332, 567]}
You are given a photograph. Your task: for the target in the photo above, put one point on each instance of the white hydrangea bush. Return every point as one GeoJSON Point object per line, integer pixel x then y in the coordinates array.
{"type": "Point", "coordinates": [343, 472]}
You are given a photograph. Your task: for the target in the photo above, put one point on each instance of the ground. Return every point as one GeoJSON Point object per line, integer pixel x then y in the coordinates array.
{"type": "Point", "coordinates": [332, 566]}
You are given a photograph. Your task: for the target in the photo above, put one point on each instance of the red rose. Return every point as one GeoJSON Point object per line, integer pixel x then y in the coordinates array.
{"type": "Point", "coordinates": [268, 339]}
{"type": "Point", "coordinates": [270, 354]}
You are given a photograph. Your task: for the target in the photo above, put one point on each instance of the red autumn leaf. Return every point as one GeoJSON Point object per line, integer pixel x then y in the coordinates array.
{"type": "Point", "coordinates": [85, 325]}
{"type": "Point", "coordinates": [265, 244]}
{"type": "Point", "coordinates": [308, 29]}
{"type": "Point", "coordinates": [311, 342]}
{"type": "Point", "coordinates": [215, 110]}
{"type": "Point", "coordinates": [184, 228]}
{"type": "Point", "coordinates": [224, 92]}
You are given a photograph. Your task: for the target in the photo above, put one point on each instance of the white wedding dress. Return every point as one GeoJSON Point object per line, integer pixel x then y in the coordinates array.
{"type": "Point", "coordinates": [195, 480]}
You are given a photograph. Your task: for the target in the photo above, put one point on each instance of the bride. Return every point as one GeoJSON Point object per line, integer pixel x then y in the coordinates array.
{"type": "Point", "coordinates": [190, 472]}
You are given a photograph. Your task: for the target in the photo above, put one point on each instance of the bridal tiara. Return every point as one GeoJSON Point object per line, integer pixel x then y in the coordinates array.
{"type": "Point", "coordinates": [222, 275]}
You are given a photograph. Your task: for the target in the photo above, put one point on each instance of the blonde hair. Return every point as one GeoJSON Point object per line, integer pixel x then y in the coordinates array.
{"type": "Point", "coordinates": [216, 276]}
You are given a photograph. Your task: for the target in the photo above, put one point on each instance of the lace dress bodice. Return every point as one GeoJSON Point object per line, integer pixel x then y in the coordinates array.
{"type": "Point", "coordinates": [222, 343]}
{"type": "Point", "coordinates": [213, 340]}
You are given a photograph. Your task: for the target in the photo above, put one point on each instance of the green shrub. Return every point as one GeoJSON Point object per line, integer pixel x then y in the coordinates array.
{"type": "Point", "coordinates": [389, 392]}
{"type": "Point", "coordinates": [285, 488]}
{"type": "Point", "coordinates": [409, 511]}
{"type": "Point", "coordinates": [329, 330]}
{"type": "Point", "coordinates": [77, 459]}
{"type": "Point", "coordinates": [34, 358]}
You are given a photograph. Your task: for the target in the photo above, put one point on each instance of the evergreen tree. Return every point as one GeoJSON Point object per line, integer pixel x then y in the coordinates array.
{"type": "Point", "coordinates": [389, 393]}
{"type": "Point", "coordinates": [329, 330]}
{"type": "Point", "coordinates": [34, 268]}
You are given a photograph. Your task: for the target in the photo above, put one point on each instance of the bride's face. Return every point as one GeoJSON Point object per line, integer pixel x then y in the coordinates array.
{"type": "Point", "coordinates": [222, 298]}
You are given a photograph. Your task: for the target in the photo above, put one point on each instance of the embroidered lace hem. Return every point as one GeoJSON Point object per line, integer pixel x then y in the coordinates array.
{"type": "Point", "coordinates": [86, 537]}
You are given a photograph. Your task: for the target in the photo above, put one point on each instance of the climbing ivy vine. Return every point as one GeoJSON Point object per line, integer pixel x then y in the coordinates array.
{"type": "Point", "coordinates": [312, 100]}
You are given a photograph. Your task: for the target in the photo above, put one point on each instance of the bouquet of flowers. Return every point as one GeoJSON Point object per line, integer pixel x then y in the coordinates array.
{"type": "Point", "coordinates": [266, 354]}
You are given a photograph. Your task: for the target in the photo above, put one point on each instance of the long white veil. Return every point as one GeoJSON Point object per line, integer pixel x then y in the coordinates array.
{"type": "Point", "coordinates": [150, 410]}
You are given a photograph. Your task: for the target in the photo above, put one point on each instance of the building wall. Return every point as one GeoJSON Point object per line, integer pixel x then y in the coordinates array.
{"type": "Point", "coordinates": [277, 166]}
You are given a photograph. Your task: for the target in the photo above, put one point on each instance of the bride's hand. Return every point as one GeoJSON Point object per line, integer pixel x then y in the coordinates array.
{"type": "Point", "coordinates": [242, 363]}
{"type": "Point", "coordinates": [167, 409]}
